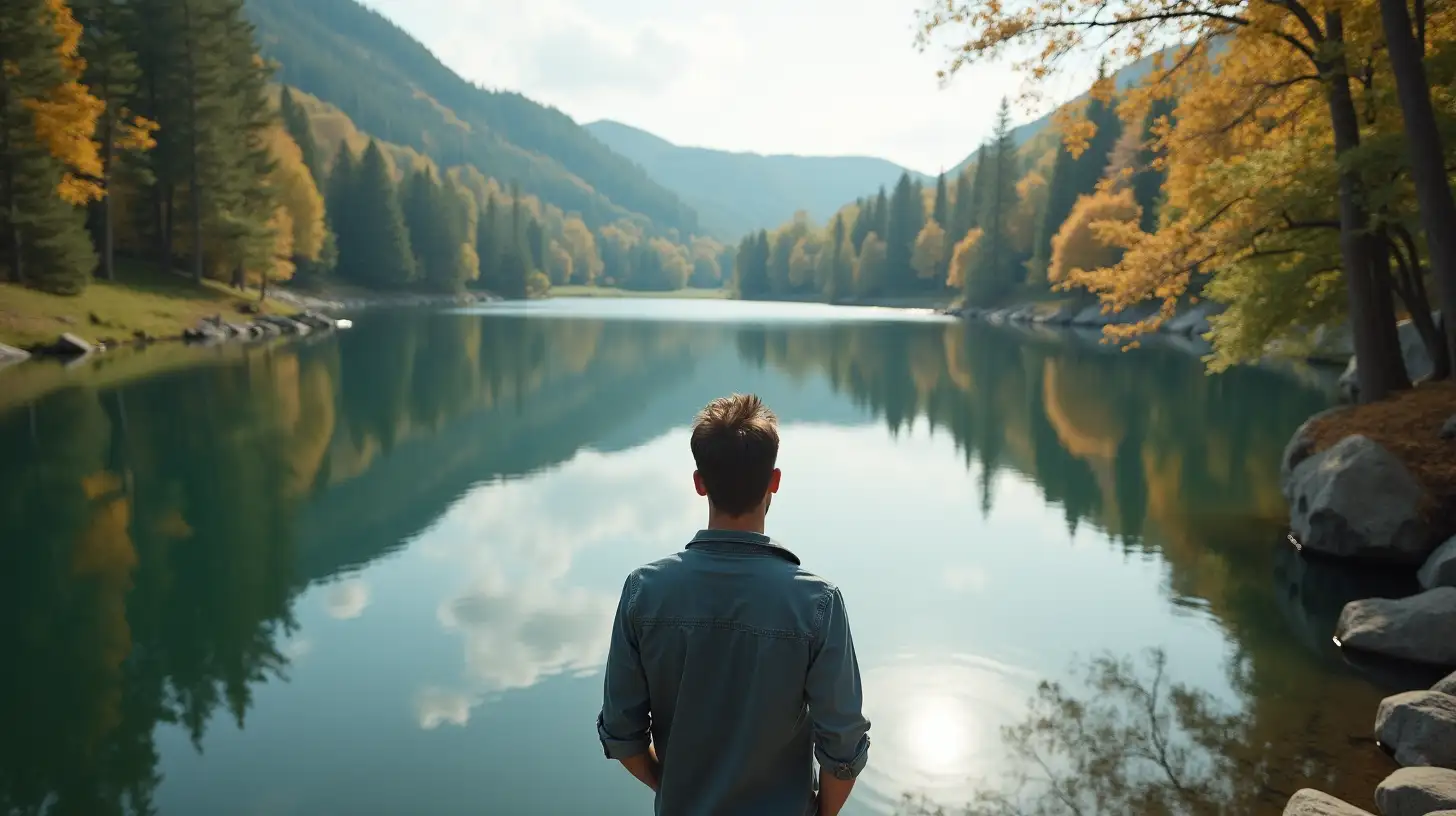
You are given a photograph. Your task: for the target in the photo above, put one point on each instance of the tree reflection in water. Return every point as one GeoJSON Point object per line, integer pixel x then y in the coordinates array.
{"type": "Point", "coordinates": [1131, 741]}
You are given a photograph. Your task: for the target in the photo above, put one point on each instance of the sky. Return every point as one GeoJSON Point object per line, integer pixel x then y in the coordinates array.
{"type": "Point", "coordinates": [811, 77]}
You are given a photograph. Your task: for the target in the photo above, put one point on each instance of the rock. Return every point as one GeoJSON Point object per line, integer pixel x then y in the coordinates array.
{"type": "Point", "coordinates": [1310, 802]}
{"type": "Point", "coordinates": [95, 319]}
{"type": "Point", "coordinates": [1418, 728]}
{"type": "Point", "coordinates": [1350, 383]}
{"type": "Point", "coordinates": [1446, 686]}
{"type": "Point", "coordinates": [1332, 343]}
{"type": "Point", "coordinates": [1440, 568]}
{"type": "Point", "coordinates": [69, 345]}
{"type": "Point", "coordinates": [1090, 316]}
{"type": "Point", "coordinates": [11, 354]}
{"type": "Point", "coordinates": [1194, 321]}
{"type": "Point", "coordinates": [1417, 360]}
{"type": "Point", "coordinates": [1448, 431]}
{"type": "Point", "coordinates": [1421, 628]}
{"type": "Point", "coordinates": [1299, 448]}
{"type": "Point", "coordinates": [1356, 500]}
{"type": "Point", "coordinates": [1416, 792]}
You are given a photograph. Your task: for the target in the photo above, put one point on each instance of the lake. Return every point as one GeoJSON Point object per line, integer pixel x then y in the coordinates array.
{"type": "Point", "coordinates": [373, 573]}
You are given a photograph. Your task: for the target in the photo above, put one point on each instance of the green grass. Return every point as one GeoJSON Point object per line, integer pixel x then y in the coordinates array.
{"type": "Point", "coordinates": [142, 299]}
{"type": "Point", "coordinates": [612, 292]}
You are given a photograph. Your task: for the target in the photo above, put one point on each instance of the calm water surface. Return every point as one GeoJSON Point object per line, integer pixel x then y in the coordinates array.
{"type": "Point", "coordinates": [374, 573]}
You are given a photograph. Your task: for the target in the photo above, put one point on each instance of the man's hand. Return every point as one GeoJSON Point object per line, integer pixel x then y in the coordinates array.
{"type": "Point", "coordinates": [645, 767]}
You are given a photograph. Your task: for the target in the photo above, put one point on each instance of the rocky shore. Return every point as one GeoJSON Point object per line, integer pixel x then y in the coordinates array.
{"type": "Point", "coordinates": [1192, 322]}
{"type": "Point", "coordinates": [247, 325]}
{"type": "Point", "coordinates": [1387, 496]}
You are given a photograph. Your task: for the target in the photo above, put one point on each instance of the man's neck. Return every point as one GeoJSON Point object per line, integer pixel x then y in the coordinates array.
{"type": "Point", "coordinates": [748, 523]}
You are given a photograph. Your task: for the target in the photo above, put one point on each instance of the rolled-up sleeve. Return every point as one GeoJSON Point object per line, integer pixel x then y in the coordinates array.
{"type": "Point", "coordinates": [836, 698]}
{"type": "Point", "coordinates": [624, 725]}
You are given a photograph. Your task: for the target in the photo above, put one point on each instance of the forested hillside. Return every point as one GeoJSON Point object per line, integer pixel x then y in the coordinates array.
{"type": "Point", "coordinates": [986, 233]}
{"type": "Point", "coordinates": [397, 91]}
{"type": "Point", "coordinates": [734, 193]}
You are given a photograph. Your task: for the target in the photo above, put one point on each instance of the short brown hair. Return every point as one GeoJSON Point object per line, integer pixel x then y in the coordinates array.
{"type": "Point", "coordinates": [735, 443]}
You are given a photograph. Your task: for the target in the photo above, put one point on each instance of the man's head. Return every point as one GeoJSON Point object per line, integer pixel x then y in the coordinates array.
{"type": "Point", "coordinates": [735, 444]}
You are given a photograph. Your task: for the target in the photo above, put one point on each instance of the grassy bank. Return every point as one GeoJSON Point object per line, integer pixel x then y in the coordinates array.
{"type": "Point", "coordinates": [613, 292]}
{"type": "Point", "coordinates": [142, 299]}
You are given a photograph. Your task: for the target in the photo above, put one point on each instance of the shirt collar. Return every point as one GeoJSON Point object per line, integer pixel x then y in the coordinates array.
{"type": "Point", "coordinates": [741, 541]}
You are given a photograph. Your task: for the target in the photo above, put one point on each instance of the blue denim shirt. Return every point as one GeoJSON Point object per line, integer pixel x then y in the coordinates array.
{"type": "Point", "coordinates": [738, 665]}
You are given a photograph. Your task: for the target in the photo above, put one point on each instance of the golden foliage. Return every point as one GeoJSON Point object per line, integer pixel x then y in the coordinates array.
{"type": "Point", "coordinates": [929, 250]}
{"type": "Point", "coordinates": [962, 259]}
{"type": "Point", "coordinates": [1080, 247]}
{"type": "Point", "coordinates": [65, 118]}
{"type": "Point", "coordinates": [298, 196]}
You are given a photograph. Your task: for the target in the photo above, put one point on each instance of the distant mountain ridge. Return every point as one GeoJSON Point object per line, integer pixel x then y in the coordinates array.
{"type": "Point", "coordinates": [735, 193]}
{"type": "Point", "coordinates": [394, 88]}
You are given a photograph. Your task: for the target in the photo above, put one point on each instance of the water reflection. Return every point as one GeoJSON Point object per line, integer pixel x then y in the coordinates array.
{"type": "Point", "coordinates": [159, 533]}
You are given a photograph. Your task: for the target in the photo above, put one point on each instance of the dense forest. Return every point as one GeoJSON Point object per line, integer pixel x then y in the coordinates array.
{"type": "Point", "coordinates": [153, 131]}
{"type": "Point", "coordinates": [1288, 161]}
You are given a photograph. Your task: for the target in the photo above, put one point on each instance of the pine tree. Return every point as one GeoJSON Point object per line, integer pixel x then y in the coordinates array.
{"type": "Point", "coordinates": [1147, 180]}
{"type": "Point", "coordinates": [907, 218]}
{"type": "Point", "coordinates": [112, 74]}
{"type": "Point", "coordinates": [436, 230]}
{"type": "Point", "coordinates": [996, 269]}
{"type": "Point", "coordinates": [487, 246]}
{"type": "Point", "coordinates": [375, 250]}
{"type": "Point", "coordinates": [295, 119]}
{"type": "Point", "coordinates": [515, 257]}
{"type": "Point", "coordinates": [842, 265]}
{"type": "Point", "coordinates": [880, 215]}
{"type": "Point", "coordinates": [752, 266]}
{"type": "Point", "coordinates": [862, 220]}
{"type": "Point", "coordinates": [940, 211]}
{"type": "Point", "coordinates": [341, 198]}
{"type": "Point", "coordinates": [43, 114]}
{"type": "Point", "coordinates": [1076, 176]}
{"type": "Point", "coordinates": [962, 213]}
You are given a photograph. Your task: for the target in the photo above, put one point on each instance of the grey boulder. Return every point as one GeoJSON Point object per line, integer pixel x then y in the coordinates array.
{"type": "Point", "coordinates": [11, 354]}
{"type": "Point", "coordinates": [1299, 448]}
{"type": "Point", "coordinates": [1440, 568]}
{"type": "Point", "coordinates": [1310, 802]}
{"type": "Point", "coordinates": [1446, 686]}
{"type": "Point", "coordinates": [1448, 430]}
{"type": "Point", "coordinates": [1421, 628]}
{"type": "Point", "coordinates": [1417, 792]}
{"type": "Point", "coordinates": [1357, 500]}
{"type": "Point", "coordinates": [1419, 728]}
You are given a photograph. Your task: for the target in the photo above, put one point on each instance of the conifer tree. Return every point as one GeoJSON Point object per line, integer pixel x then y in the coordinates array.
{"type": "Point", "coordinates": [862, 223]}
{"type": "Point", "coordinates": [996, 269]}
{"type": "Point", "coordinates": [842, 263]}
{"type": "Point", "coordinates": [437, 231]}
{"type": "Point", "coordinates": [111, 74]}
{"type": "Point", "coordinates": [46, 123]}
{"type": "Point", "coordinates": [880, 215]}
{"type": "Point", "coordinates": [295, 120]}
{"type": "Point", "coordinates": [515, 256]}
{"type": "Point", "coordinates": [962, 213]}
{"type": "Point", "coordinates": [907, 218]}
{"type": "Point", "coordinates": [375, 250]}
{"type": "Point", "coordinates": [488, 246]}
{"type": "Point", "coordinates": [1147, 180]}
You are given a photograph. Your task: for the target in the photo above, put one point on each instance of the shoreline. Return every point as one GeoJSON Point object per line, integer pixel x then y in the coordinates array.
{"type": "Point", "coordinates": [245, 322]}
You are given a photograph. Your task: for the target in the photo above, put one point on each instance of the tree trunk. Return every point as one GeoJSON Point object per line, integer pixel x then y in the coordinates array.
{"type": "Point", "coordinates": [1428, 167]}
{"type": "Point", "coordinates": [108, 228]}
{"type": "Point", "coordinates": [1381, 369]}
{"type": "Point", "coordinates": [168, 201]}
{"type": "Point", "coordinates": [1412, 291]}
{"type": "Point", "coordinates": [194, 184]}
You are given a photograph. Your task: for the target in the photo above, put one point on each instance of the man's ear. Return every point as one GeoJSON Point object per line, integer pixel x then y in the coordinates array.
{"type": "Point", "coordinates": [773, 481]}
{"type": "Point", "coordinates": [698, 483]}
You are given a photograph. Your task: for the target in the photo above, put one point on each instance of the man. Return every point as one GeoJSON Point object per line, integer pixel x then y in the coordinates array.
{"type": "Point", "coordinates": [731, 668]}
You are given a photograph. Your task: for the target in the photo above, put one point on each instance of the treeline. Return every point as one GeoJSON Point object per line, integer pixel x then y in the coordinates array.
{"type": "Point", "coordinates": [1307, 159]}
{"type": "Point", "coordinates": [988, 233]}
{"type": "Point", "coordinates": [146, 129]}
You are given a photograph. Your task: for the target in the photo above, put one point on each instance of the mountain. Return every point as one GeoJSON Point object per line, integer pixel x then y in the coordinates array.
{"type": "Point", "coordinates": [736, 193]}
{"type": "Point", "coordinates": [394, 88]}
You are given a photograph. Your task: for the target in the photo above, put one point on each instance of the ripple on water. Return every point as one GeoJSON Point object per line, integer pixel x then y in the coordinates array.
{"type": "Point", "coordinates": [935, 725]}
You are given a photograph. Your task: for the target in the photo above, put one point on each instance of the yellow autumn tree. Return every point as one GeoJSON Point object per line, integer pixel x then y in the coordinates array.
{"type": "Point", "coordinates": [962, 259]}
{"type": "Point", "coordinates": [298, 195]}
{"type": "Point", "coordinates": [929, 251]}
{"type": "Point", "coordinates": [65, 118]}
{"type": "Point", "coordinates": [1080, 248]}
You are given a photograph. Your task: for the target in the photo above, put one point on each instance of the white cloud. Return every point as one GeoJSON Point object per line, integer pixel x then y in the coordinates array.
{"type": "Point", "coordinates": [808, 77]}
{"type": "Point", "coordinates": [436, 706]}
{"type": "Point", "coordinates": [347, 599]}
{"type": "Point", "coordinates": [521, 614]}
